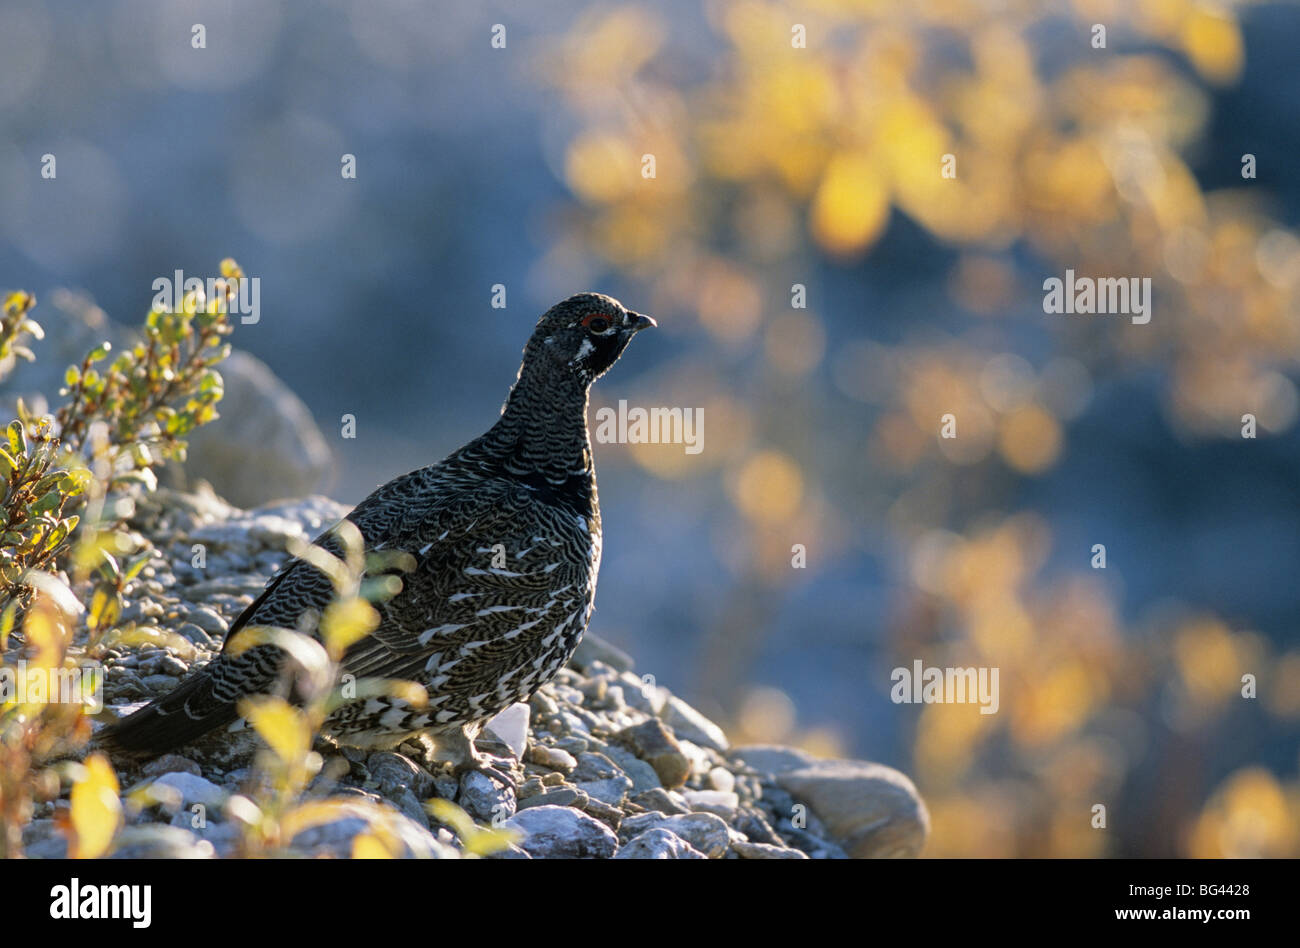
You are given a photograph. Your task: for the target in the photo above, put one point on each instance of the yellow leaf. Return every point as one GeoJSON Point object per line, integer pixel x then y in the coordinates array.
{"type": "Point", "coordinates": [359, 690]}
{"type": "Point", "coordinates": [444, 811]}
{"type": "Point", "coordinates": [46, 634]}
{"type": "Point", "coordinates": [316, 813]}
{"type": "Point", "coordinates": [1030, 439]}
{"type": "Point", "coordinates": [601, 167]}
{"type": "Point", "coordinates": [475, 839]}
{"type": "Point", "coordinates": [281, 725]}
{"type": "Point", "coordinates": [769, 488]}
{"type": "Point", "coordinates": [369, 846]}
{"type": "Point", "coordinates": [96, 810]}
{"type": "Point", "coordinates": [851, 206]}
{"type": "Point", "coordinates": [19, 302]}
{"type": "Point", "coordinates": [7, 623]}
{"type": "Point", "coordinates": [104, 608]}
{"type": "Point", "coordinates": [379, 841]}
{"type": "Point", "coordinates": [411, 692]}
{"type": "Point", "coordinates": [488, 841]}
{"type": "Point", "coordinates": [1213, 43]}
{"type": "Point", "coordinates": [306, 651]}
{"type": "Point", "coordinates": [322, 559]}
{"type": "Point", "coordinates": [347, 621]}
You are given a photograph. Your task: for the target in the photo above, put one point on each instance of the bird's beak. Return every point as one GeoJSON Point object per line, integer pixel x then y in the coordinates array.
{"type": "Point", "coordinates": [636, 322]}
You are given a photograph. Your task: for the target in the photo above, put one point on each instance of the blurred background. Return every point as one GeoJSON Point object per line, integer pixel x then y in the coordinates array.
{"type": "Point", "coordinates": [775, 165]}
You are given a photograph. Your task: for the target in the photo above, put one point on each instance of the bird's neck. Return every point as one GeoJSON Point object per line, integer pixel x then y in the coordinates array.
{"type": "Point", "coordinates": [543, 428]}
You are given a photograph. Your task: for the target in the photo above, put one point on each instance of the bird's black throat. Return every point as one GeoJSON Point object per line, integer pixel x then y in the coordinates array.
{"type": "Point", "coordinates": [541, 439]}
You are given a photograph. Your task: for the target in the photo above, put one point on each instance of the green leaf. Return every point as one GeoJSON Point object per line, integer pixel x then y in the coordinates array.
{"type": "Point", "coordinates": [59, 534]}
{"type": "Point", "coordinates": [134, 565]}
{"type": "Point", "coordinates": [74, 483]}
{"type": "Point", "coordinates": [50, 500]}
{"type": "Point", "coordinates": [17, 439]}
{"type": "Point", "coordinates": [110, 567]}
{"type": "Point", "coordinates": [33, 539]}
{"type": "Point", "coordinates": [48, 482]}
{"type": "Point", "coordinates": [380, 588]}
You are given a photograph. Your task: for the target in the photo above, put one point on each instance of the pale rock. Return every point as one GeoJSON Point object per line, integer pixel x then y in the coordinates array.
{"type": "Point", "coordinates": [652, 743]}
{"type": "Point", "coordinates": [191, 789]}
{"type": "Point", "coordinates": [552, 758]}
{"type": "Point", "coordinates": [704, 831]}
{"type": "Point", "coordinates": [748, 850]}
{"type": "Point", "coordinates": [659, 843]}
{"type": "Point", "coordinates": [871, 810]}
{"type": "Point", "coordinates": [718, 802]}
{"type": "Point", "coordinates": [563, 832]}
{"type": "Point", "coordinates": [510, 725]}
{"type": "Point", "coordinates": [593, 648]}
{"type": "Point", "coordinates": [688, 723]}
{"type": "Point", "coordinates": [485, 799]}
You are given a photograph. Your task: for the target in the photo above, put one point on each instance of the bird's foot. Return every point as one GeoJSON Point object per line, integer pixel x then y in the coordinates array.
{"type": "Point", "coordinates": [498, 769]}
{"type": "Point", "coordinates": [457, 747]}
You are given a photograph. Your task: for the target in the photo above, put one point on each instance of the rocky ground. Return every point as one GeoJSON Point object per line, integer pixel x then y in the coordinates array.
{"type": "Point", "coordinates": [606, 764]}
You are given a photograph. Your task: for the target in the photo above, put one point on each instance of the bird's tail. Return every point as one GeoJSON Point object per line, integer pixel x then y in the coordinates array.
{"type": "Point", "coordinates": [178, 717]}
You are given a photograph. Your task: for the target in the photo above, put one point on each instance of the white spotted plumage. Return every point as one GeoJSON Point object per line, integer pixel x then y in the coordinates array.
{"type": "Point", "coordinates": [476, 631]}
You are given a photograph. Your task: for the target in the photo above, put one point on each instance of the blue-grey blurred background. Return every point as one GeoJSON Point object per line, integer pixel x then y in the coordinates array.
{"type": "Point", "coordinates": [778, 164]}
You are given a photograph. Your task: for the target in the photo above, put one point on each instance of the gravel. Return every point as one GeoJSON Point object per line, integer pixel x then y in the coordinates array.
{"type": "Point", "coordinates": [602, 762]}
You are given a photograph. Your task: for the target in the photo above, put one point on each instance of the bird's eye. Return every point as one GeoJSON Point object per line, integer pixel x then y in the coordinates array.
{"type": "Point", "coordinates": [597, 323]}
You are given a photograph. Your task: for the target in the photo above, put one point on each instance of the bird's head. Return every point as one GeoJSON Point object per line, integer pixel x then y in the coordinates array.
{"type": "Point", "coordinates": [584, 335]}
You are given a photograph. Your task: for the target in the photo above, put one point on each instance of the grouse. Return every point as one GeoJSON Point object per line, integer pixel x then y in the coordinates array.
{"type": "Point", "coordinates": [476, 634]}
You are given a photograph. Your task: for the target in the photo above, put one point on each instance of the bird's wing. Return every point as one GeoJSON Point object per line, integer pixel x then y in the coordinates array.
{"type": "Point", "coordinates": [299, 586]}
{"type": "Point", "coordinates": [461, 531]}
